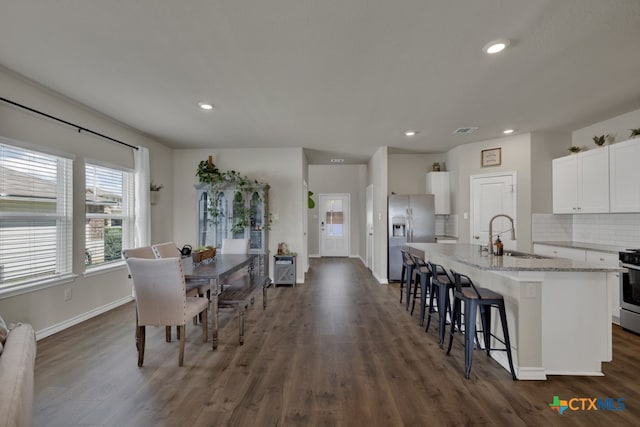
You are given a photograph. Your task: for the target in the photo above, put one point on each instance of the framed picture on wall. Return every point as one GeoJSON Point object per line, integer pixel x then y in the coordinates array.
{"type": "Point", "coordinates": [491, 157]}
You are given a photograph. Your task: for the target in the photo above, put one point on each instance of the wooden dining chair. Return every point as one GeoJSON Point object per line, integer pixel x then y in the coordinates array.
{"type": "Point", "coordinates": [161, 300]}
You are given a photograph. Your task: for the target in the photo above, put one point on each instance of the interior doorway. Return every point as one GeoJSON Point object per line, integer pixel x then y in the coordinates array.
{"type": "Point", "coordinates": [493, 194]}
{"type": "Point", "coordinates": [334, 221]}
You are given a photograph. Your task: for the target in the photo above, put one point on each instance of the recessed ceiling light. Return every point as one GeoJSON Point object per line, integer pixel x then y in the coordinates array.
{"type": "Point", "coordinates": [508, 131]}
{"type": "Point", "coordinates": [495, 46]}
{"type": "Point", "coordinates": [410, 133]}
{"type": "Point", "coordinates": [205, 105]}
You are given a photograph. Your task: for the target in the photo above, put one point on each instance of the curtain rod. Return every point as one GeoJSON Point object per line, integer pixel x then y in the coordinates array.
{"type": "Point", "coordinates": [80, 128]}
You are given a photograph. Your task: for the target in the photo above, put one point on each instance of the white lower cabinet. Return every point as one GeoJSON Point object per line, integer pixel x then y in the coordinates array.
{"type": "Point", "coordinates": [613, 279]}
{"type": "Point", "coordinates": [604, 259]}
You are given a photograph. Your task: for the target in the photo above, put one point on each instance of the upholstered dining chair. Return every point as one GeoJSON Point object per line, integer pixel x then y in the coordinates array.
{"type": "Point", "coordinates": [235, 246]}
{"type": "Point", "coordinates": [170, 250]}
{"type": "Point", "coordinates": [161, 300]}
{"type": "Point", "coordinates": [147, 252]}
{"type": "Point", "coordinates": [140, 252]}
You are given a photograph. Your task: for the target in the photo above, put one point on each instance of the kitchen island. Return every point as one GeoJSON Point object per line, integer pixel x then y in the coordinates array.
{"type": "Point", "coordinates": [558, 310]}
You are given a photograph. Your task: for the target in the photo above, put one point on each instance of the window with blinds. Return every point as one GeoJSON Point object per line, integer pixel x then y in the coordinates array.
{"type": "Point", "coordinates": [109, 214]}
{"type": "Point", "coordinates": [35, 216]}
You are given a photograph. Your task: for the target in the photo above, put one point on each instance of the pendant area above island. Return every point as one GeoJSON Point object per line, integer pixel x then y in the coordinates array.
{"type": "Point", "coordinates": [558, 310]}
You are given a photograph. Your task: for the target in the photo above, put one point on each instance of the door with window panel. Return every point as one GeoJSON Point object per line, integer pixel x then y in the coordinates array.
{"type": "Point", "coordinates": [334, 224]}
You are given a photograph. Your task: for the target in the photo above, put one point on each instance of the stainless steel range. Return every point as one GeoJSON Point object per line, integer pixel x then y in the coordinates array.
{"type": "Point", "coordinates": [630, 290]}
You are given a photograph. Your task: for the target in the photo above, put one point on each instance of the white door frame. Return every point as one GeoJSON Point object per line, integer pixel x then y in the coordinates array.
{"type": "Point", "coordinates": [347, 220]}
{"type": "Point", "coordinates": [472, 178]}
{"type": "Point", "coordinates": [305, 227]}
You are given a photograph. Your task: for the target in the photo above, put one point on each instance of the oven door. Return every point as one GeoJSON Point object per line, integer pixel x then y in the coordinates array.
{"type": "Point", "coordinates": [630, 288]}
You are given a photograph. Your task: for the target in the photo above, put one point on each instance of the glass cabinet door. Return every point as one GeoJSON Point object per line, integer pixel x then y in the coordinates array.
{"type": "Point", "coordinates": [204, 225]}
{"type": "Point", "coordinates": [239, 211]}
{"type": "Point", "coordinates": [222, 222]}
{"type": "Point", "coordinates": [257, 221]}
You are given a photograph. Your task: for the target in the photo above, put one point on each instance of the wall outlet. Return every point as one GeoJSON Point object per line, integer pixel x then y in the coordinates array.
{"type": "Point", "coordinates": [67, 294]}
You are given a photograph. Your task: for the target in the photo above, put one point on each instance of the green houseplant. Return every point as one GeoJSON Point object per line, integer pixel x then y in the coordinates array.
{"type": "Point", "coordinates": [635, 132]}
{"type": "Point", "coordinates": [575, 149]}
{"type": "Point", "coordinates": [599, 140]}
{"type": "Point", "coordinates": [208, 173]}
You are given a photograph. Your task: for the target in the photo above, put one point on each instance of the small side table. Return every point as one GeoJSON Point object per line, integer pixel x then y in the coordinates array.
{"type": "Point", "coordinates": [284, 270]}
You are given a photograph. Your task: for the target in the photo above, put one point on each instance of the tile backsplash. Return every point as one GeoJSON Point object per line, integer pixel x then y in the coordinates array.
{"type": "Point", "coordinates": [605, 229]}
{"type": "Point", "coordinates": [447, 225]}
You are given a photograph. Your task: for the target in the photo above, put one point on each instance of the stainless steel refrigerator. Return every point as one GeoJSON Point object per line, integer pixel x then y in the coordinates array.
{"type": "Point", "coordinates": [411, 219]}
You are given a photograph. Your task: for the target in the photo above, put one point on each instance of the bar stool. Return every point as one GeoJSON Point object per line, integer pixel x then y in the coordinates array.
{"type": "Point", "coordinates": [475, 298]}
{"type": "Point", "coordinates": [441, 285]}
{"type": "Point", "coordinates": [423, 277]}
{"type": "Point", "coordinates": [407, 274]}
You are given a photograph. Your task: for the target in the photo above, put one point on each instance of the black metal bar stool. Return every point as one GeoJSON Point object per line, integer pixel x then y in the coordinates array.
{"type": "Point", "coordinates": [441, 285]}
{"type": "Point", "coordinates": [423, 277]}
{"type": "Point", "coordinates": [406, 275]}
{"type": "Point", "coordinates": [475, 298]}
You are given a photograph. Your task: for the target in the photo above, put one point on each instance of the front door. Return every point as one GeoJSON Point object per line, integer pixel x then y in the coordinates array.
{"type": "Point", "coordinates": [492, 195]}
{"type": "Point", "coordinates": [334, 224]}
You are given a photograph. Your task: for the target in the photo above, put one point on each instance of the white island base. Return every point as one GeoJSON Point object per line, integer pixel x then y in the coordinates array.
{"type": "Point", "coordinates": [558, 317]}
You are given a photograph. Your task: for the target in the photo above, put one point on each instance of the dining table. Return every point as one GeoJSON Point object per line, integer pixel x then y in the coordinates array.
{"type": "Point", "coordinates": [215, 272]}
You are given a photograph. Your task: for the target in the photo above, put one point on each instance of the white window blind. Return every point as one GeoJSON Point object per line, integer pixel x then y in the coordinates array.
{"type": "Point", "coordinates": [109, 214]}
{"type": "Point", "coordinates": [35, 216]}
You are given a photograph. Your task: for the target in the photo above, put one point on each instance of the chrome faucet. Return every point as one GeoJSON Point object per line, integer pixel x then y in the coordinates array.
{"type": "Point", "coordinates": [513, 229]}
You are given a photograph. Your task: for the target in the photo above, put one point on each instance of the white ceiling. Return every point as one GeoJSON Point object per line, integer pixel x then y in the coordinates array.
{"type": "Point", "coordinates": [338, 77]}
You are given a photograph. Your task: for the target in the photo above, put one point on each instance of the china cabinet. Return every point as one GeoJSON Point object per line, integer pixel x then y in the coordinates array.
{"type": "Point", "coordinates": [229, 211]}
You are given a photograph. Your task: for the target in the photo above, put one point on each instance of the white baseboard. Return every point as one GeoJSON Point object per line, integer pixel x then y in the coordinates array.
{"type": "Point", "coordinates": [43, 333]}
{"type": "Point", "coordinates": [314, 255]}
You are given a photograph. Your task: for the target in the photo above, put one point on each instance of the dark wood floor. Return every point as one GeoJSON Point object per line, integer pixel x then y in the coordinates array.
{"type": "Point", "coordinates": [337, 350]}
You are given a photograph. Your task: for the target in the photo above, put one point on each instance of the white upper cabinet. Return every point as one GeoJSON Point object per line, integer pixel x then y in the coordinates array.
{"type": "Point", "coordinates": [624, 161]}
{"type": "Point", "coordinates": [438, 185]}
{"type": "Point", "coordinates": [581, 182]}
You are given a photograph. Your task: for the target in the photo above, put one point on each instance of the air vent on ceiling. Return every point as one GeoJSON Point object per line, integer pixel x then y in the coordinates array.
{"type": "Point", "coordinates": [337, 160]}
{"type": "Point", "coordinates": [466, 130]}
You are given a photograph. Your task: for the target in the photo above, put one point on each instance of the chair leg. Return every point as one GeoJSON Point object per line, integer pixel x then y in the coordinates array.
{"type": "Point", "coordinates": [140, 339]}
{"type": "Point", "coordinates": [404, 271]}
{"type": "Point", "coordinates": [183, 332]}
{"type": "Point", "coordinates": [408, 284]}
{"type": "Point", "coordinates": [443, 304]}
{"type": "Point", "coordinates": [415, 293]}
{"type": "Point", "coordinates": [432, 297]}
{"type": "Point", "coordinates": [485, 313]}
{"type": "Point", "coordinates": [205, 325]}
{"type": "Point", "coordinates": [241, 320]}
{"type": "Point", "coordinates": [507, 342]}
{"type": "Point", "coordinates": [469, 335]}
{"type": "Point", "coordinates": [167, 333]}
{"type": "Point", "coordinates": [454, 316]}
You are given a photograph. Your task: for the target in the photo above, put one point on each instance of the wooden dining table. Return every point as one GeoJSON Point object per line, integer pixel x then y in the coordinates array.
{"type": "Point", "coordinates": [215, 273]}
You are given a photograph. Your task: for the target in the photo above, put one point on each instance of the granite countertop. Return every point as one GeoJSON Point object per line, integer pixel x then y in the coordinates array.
{"type": "Point", "coordinates": [588, 246]}
{"type": "Point", "coordinates": [471, 255]}
{"type": "Point", "coordinates": [444, 237]}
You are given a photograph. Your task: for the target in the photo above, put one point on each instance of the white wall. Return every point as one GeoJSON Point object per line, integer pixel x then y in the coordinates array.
{"type": "Point", "coordinates": [618, 126]}
{"type": "Point", "coordinates": [407, 172]}
{"type": "Point", "coordinates": [545, 146]}
{"type": "Point", "coordinates": [281, 168]}
{"type": "Point", "coordinates": [464, 161]}
{"type": "Point", "coordinates": [377, 173]}
{"type": "Point", "coordinates": [46, 309]}
{"type": "Point", "coordinates": [351, 179]}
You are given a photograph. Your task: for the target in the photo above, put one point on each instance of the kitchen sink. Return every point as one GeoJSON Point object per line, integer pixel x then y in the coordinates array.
{"type": "Point", "coordinates": [525, 255]}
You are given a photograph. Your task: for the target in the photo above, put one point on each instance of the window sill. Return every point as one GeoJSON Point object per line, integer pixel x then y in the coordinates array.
{"type": "Point", "coordinates": [33, 286]}
{"type": "Point", "coordinates": [105, 268]}
{"type": "Point", "coordinates": [25, 288]}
